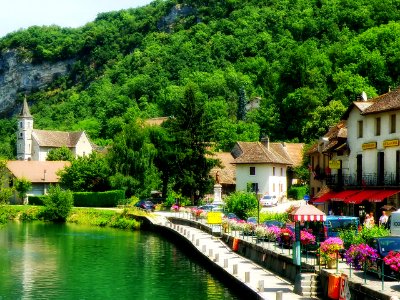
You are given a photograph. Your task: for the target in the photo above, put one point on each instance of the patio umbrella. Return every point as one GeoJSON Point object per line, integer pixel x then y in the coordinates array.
{"type": "Point", "coordinates": [301, 214]}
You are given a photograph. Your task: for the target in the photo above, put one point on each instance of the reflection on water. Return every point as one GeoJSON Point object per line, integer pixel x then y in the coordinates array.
{"type": "Point", "coordinates": [46, 261]}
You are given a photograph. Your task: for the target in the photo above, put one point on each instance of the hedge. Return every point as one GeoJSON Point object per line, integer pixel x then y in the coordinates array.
{"type": "Point", "coordinates": [36, 200]}
{"type": "Point", "coordinates": [99, 199]}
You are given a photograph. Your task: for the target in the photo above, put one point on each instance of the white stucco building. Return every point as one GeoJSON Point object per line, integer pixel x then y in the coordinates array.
{"type": "Point", "coordinates": [262, 167]}
{"type": "Point", "coordinates": [34, 144]}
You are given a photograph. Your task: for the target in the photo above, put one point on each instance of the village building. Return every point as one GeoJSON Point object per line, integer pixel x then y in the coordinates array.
{"type": "Point", "coordinates": [42, 174]}
{"type": "Point", "coordinates": [34, 144]}
{"type": "Point", "coordinates": [355, 168]}
{"type": "Point", "coordinates": [263, 167]}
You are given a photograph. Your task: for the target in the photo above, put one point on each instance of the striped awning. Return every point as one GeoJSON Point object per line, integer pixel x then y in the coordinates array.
{"type": "Point", "coordinates": [307, 213]}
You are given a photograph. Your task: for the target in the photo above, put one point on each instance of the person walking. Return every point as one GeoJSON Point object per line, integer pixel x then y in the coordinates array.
{"type": "Point", "coordinates": [383, 219]}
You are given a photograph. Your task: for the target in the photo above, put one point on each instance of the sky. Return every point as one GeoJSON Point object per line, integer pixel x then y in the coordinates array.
{"type": "Point", "coordinates": [21, 14]}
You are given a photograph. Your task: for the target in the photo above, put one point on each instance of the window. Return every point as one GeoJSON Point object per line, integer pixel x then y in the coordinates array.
{"type": "Point", "coordinates": [273, 171]}
{"type": "Point", "coordinates": [281, 171]}
{"type": "Point", "coordinates": [392, 125]}
{"type": "Point", "coordinates": [378, 126]}
{"type": "Point", "coordinates": [20, 135]}
{"type": "Point", "coordinates": [273, 188]}
{"type": "Point", "coordinates": [252, 170]}
{"type": "Point", "coordinates": [20, 124]}
{"type": "Point", "coordinates": [252, 187]}
{"type": "Point", "coordinates": [360, 129]}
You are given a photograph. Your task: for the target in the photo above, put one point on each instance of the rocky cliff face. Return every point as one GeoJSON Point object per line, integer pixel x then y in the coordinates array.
{"type": "Point", "coordinates": [22, 76]}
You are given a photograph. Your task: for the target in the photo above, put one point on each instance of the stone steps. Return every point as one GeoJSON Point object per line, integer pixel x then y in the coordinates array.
{"type": "Point", "coordinates": [308, 285]}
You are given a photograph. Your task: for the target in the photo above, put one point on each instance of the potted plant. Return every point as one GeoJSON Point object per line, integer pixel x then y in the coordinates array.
{"type": "Point", "coordinates": [273, 232]}
{"type": "Point", "coordinates": [260, 232]}
{"type": "Point", "coordinates": [306, 238]}
{"type": "Point", "coordinates": [393, 260]}
{"type": "Point", "coordinates": [356, 255]}
{"type": "Point", "coordinates": [329, 249]}
{"type": "Point", "coordinates": [285, 237]}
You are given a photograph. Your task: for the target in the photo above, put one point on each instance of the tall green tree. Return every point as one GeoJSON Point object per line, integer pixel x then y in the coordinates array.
{"type": "Point", "coordinates": [131, 159]}
{"type": "Point", "coordinates": [191, 138]}
{"type": "Point", "coordinates": [241, 110]}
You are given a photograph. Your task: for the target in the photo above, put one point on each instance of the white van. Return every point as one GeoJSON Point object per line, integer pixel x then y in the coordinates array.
{"type": "Point", "coordinates": [395, 223]}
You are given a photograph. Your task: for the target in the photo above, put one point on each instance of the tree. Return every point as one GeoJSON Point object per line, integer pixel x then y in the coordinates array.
{"type": "Point", "coordinates": [241, 203]}
{"type": "Point", "coordinates": [22, 186]}
{"type": "Point", "coordinates": [241, 111]}
{"type": "Point", "coordinates": [58, 154]}
{"type": "Point", "coordinates": [131, 159]}
{"type": "Point", "coordinates": [58, 204]}
{"type": "Point", "coordinates": [86, 174]}
{"type": "Point", "coordinates": [5, 191]}
{"type": "Point", "coordinates": [190, 138]}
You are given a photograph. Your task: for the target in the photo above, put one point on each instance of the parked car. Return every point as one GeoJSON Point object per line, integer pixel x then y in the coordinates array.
{"type": "Point", "coordinates": [274, 223]}
{"type": "Point", "coordinates": [232, 216]}
{"type": "Point", "coordinates": [210, 207]}
{"type": "Point", "coordinates": [252, 220]}
{"type": "Point", "coordinates": [268, 200]}
{"type": "Point", "coordinates": [384, 245]}
{"type": "Point", "coordinates": [146, 205]}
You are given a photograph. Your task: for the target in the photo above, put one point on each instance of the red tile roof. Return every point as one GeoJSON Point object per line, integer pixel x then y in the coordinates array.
{"type": "Point", "coordinates": [258, 153]}
{"type": "Point", "coordinates": [37, 171]}
{"type": "Point", "coordinates": [386, 102]}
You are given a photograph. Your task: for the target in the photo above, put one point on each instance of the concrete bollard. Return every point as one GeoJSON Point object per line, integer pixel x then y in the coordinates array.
{"type": "Point", "coordinates": [203, 249]}
{"type": "Point", "coordinates": [216, 258]}
{"type": "Point", "coordinates": [235, 269]}
{"type": "Point", "coordinates": [225, 263]}
{"type": "Point", "coordinates": [247, 277]}
{"type": "Point", "coordinates": [261, 285]}
{"type": "Point", "coordinates": [279, 295]}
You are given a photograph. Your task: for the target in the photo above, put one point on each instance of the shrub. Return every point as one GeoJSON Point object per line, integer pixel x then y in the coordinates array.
{"type": "Point", "coordinates": [36, 200]}
{"type": "Point", "coordinates": [58, 204]}
{"type": "Point", "coordinates": [297, 192]}
{"type": "Point", "coordinates": [241, 204]}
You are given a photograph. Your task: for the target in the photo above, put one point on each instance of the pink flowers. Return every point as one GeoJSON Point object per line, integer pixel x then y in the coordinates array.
{"type": "Point", "coordinates": [393, 260]}
{"type": "Point", "coordinates": [306, 238]}
{"type": "Point", "coordinates": [356, 255]}
{"type": "Point", "coordinates": [330, 247]}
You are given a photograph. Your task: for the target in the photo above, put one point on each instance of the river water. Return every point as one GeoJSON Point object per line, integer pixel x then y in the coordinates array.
{"type": "Point", "coordinates": [66, 261]}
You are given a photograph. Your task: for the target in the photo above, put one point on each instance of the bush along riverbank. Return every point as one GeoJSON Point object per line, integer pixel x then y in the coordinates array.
{"type": "Point", "coordinates": [83, 216]}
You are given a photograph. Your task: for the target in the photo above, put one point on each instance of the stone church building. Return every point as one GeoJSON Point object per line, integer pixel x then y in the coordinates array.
{"type": "Point", "coordinates": [34, 144]}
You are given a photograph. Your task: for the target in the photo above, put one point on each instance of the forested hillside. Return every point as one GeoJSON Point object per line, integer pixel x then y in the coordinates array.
{"type": "Point", "coordinates": [306, 60]}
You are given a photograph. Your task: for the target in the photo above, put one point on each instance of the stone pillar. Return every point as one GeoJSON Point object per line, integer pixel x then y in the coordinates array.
{"type": "Point", "coordinates": [217, 194]}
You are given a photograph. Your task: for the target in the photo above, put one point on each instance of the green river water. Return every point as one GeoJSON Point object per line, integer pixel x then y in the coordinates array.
{"type": "Point", "coordinates": [64, 261]}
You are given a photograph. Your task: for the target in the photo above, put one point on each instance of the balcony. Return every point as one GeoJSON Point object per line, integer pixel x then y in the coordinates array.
{"type": "Point", "coordinates": [367, 180]}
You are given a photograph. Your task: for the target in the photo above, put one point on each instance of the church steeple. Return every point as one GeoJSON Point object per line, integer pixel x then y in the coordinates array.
{"type": "Point", "coordinates": [24, 134]}
{"type": "Point", "coordinates": [25, 113]}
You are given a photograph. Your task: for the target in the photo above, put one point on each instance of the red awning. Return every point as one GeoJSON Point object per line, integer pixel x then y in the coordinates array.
{"type": "Point", "coordinates": [307, 213]}
{"type": "Point", "coordinates": [324, 197]}
{"type": "Point", "coordinates": [360, 196]}
{"type": "Point", "coordinates": [341, 196]}
{"type": "Point", "coordinates": [382, 194]}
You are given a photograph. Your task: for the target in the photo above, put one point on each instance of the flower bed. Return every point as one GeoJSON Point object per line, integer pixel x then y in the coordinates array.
{"type": "Point", "coordinates": [329, 249]}
{"type": "Point", "coordinates": [393, 260]}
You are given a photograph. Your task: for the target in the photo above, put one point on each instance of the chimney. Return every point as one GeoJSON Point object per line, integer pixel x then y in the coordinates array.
{"type": "Point", "coordinates": [265, 141]}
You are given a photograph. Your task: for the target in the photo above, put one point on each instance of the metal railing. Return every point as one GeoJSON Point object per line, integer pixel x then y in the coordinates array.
{"type": "Point", "coordinates": [366, 180]}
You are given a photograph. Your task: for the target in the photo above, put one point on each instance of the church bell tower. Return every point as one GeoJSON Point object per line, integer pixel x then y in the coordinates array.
{"type": "Point", "coordinates": [24, 134]}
